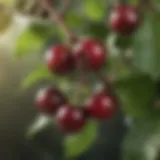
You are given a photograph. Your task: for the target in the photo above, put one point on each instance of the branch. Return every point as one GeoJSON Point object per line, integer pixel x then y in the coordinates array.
{"type": "Point", "coordinates": [58, 19]}
{"type": "Point", "coordinates": [108, 82]}
{"type": "Point", "coordinates": [66, 6]}
{"type": "Point", "coordinates": [39, 10]}
{"type": "Point", "coordinates": [83, 69]}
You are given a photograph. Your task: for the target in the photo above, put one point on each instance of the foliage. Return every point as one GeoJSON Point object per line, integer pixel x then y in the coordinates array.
{"type": "Point", "coordinates": [82, 140]}
{"type": "Point", "coordinates": [145, 135]}
{"type": "Point", "coordinates": [32, 39]}
{"type": "Point", "coordinates": [91, 6]}
{"type": "Point", "coordinates": [146, 46]}
{"type": "Point", "coordinates": [136, 86]}
{"type": "Point", "coordinates": [37, 75]}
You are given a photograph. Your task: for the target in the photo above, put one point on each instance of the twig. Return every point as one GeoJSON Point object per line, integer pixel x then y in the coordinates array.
{"type": "Point", "coordinates": [39, 10]}
{"type": "Point", "coordinates": [56, 17]}
{"type": "Point", "coordinates": [107, 81]}
{"type": "Point", "coordinates": [83, 68]}
{"type": "Point", "coordinates": [66, 6]}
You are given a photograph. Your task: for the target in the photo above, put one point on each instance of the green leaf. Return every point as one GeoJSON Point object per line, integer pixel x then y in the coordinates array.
{"type": "Point", "coordinates": [95, 10]}
{"type": "Point", "coordinates": [35, 76]}
{"type": "Point", "coordinates": [146, 46]}
{"type": "Point", "coordinates": [142, 142]}
{"type": "Point", "coordinates": [39, 124]}
{"type": "Point", "coordinates": [79, 143]}
{"type": "Point", "coordinates": [97, 30]}
{"type": "Point", "coordinates": [74, 19]}
{"type": "Point", "coordinates": [123, 42]}
{"type": "Point", "coordinates": [33, 39]}
{"type": "Point", "coordinates": [118, 68]}
{"type": "Point", "coordinates": [43, 30]}
{"type": "Point", "coordinates": [136, 94]}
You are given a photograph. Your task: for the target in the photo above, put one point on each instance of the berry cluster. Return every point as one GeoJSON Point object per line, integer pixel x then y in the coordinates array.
{"type": "Point", "coordinates": [71, 118]}
{"type": "Point", "coordinates": [90, 55]}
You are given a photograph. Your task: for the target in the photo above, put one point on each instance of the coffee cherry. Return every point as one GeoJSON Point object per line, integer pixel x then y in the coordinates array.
{"type": "Point", "coordinates": [101, 106]}
{"type": "Point", "coordinates": [70, 119]}
{"type": "Point", "coordinates": [91, 54]}
{"type": "Point", "coordinates": [59, 59]}
{"type": "Point", "coordinates": [49, 99]}
{"type": "Point", "coordinates": [124, 19]}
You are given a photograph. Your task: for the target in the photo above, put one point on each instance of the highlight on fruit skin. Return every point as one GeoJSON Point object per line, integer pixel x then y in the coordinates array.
{"type": "Point", "coordinates": [91, 53]}
{"type": "Point", "coordinates": [70, 119]}
{"type": "Point", "coordinates": [124, 19]}
{"type": "Point", "coordinates": [101, 106]}
{"type": "Point", "coordinates": [49, 99]}
{"type": "Point", "coordinates": [59, 59]}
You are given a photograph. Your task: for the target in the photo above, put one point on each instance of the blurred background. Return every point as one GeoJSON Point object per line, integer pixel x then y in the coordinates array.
{"type": "Point", "coordinates": [132, 134]}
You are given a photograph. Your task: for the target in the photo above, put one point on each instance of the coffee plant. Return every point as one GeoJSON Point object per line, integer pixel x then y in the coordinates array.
{"type": "Point", "coordinates": [96, 57]}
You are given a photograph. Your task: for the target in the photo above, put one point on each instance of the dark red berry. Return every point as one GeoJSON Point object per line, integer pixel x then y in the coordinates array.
{"type": "Point", "coordinates": [101, 106]}
{"type": "Point", "coordinates": [70, 119]}
{"type": "Point", "coordinates": [59, 59]}
{"type": "Point", "coordinates": [49, 99]}
{"type": "Point", "coordinates": [124, 19]}
{"type": "Point", "coordinates": [91, 54]}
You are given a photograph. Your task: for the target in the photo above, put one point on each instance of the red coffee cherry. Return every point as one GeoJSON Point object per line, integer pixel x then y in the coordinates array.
{"type": "Point", "coordinates": [70, 119]}
{"type": "Point", "coordinates": [49, 99]}
{"type": "Point", "coordinates": [59, 59]}
{"type": "Point", "coordinates": [91, 54]}
{"type": "Point", "coordinates": [124, 19]}
{"type": "Point", "coordinates": [101, 106]}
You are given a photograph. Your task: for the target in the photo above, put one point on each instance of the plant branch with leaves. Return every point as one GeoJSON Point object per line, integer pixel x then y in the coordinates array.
{"type": "Point", "coordinates": [91, 61]}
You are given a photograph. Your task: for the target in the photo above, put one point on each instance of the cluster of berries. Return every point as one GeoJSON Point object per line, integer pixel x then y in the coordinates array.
{"type": "Point", "coordinates": [69, 117]}
{"type": "Point", "coordinates": [89, 55]}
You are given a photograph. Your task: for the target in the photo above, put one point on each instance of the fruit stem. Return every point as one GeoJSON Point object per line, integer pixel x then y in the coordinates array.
{"type": "Point", "coordinates": [58, 19]}
{"type": "Point", "coordinates": [82, 67]}
{"type": "Point", "coordinates": [108, 82]}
